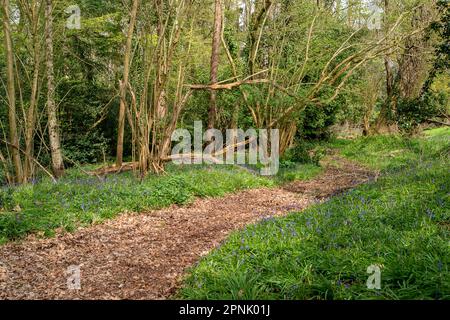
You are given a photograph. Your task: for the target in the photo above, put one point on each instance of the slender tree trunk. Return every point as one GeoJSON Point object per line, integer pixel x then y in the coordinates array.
{"type": "Point", "coordinates": [31, 116]}
{"type": "Point", "coordinates": [11, 92]}
{"type": "Point", "coordinates": [124, 84]}
{"type": "Point", "coordinates": [215, 63]}
{"type": "Point", "coordinates": [53, 127]}
{"type": "Point", "coordinates": [258, 21]}
{"type": "Point", "coordinates": [350, 10]}
{"type": "Point", "coordinates": [413, 66]}
{"type": "Point", "coordinates": [386, 107]}
{"type": "Point", "coordinates": [31, 120]}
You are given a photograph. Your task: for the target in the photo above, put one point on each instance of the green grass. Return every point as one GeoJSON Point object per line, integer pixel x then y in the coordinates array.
{"type": "Point", "coordinates": [391, 151]}
{"type": "Point", "coordinates": [298, 171]}
{"type": "Point", "coordinates": [401, 222]}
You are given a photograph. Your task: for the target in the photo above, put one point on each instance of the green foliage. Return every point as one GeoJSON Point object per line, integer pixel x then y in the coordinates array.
{"type": "Point", "coordinates": [316, 121]}
{"type": "Point", "coordinates": [399, 222]}
{"type": "Point", "coordinates": [304, 151]}
{"type": "Point", "coordinates": [412, 112]}
{"type": "Point", "coordinates": [89, 64]}
{"type": "Point", "coordinates": [442, 49]}
{"type": "Point", "coordinates": [82, 106]}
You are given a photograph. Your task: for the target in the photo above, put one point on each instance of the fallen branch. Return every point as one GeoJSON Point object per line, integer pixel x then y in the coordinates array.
{"type": "Point", "coordinates": [130, 166]}
{"type": "Point", "coordinates": [439, 122]}
{"type": "Point", "coordinates": [125, 167]}
{"type": "Point", "coordinates": [226, 86]}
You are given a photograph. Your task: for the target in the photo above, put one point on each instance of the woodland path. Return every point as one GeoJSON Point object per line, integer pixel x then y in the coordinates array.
{"type": "Point", "coordinates": [145, 255]}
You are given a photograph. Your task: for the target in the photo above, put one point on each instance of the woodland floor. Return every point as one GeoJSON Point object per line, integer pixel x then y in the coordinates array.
{"type": "Point", "coordinates": [145, 255]}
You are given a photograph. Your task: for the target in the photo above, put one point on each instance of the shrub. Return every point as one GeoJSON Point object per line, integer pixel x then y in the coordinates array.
{"type": "Point", "coordinates": [317, 121]}
{"type": "Point", "coordinates": [413, 112]}
{"type": "Point", "coordinates": [305, 152]}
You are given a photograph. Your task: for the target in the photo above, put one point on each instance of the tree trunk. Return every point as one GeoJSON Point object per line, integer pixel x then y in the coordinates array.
{"type": "Point", "coordinates": [257, 24]}
{"type": "Point", "coordinates": [11, 91]}
{"type": "Point", "coordinates": [53, 127]}
{"type": "Point", "coordinates": [215, 63]}
{"type": "Point", "coordinates": [413, 67]}
{"type": "Point", "coordinates": [124, 84]}
{"type": "Point", "coordinates": [350, 13]}
{"type": "Point", "coordinates": [390, 78]}
{"type": "Point", "coordinates": [31, 116]}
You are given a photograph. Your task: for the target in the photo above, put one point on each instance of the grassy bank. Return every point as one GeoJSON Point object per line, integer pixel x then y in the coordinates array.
{"type": "Point", "coordinates": [400, 222]}
{"type": "Point", "coordinates": [393, 152]}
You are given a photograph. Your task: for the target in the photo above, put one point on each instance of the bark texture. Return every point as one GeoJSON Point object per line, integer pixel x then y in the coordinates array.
{"type": "Point", "coordinates": [53, 127]}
